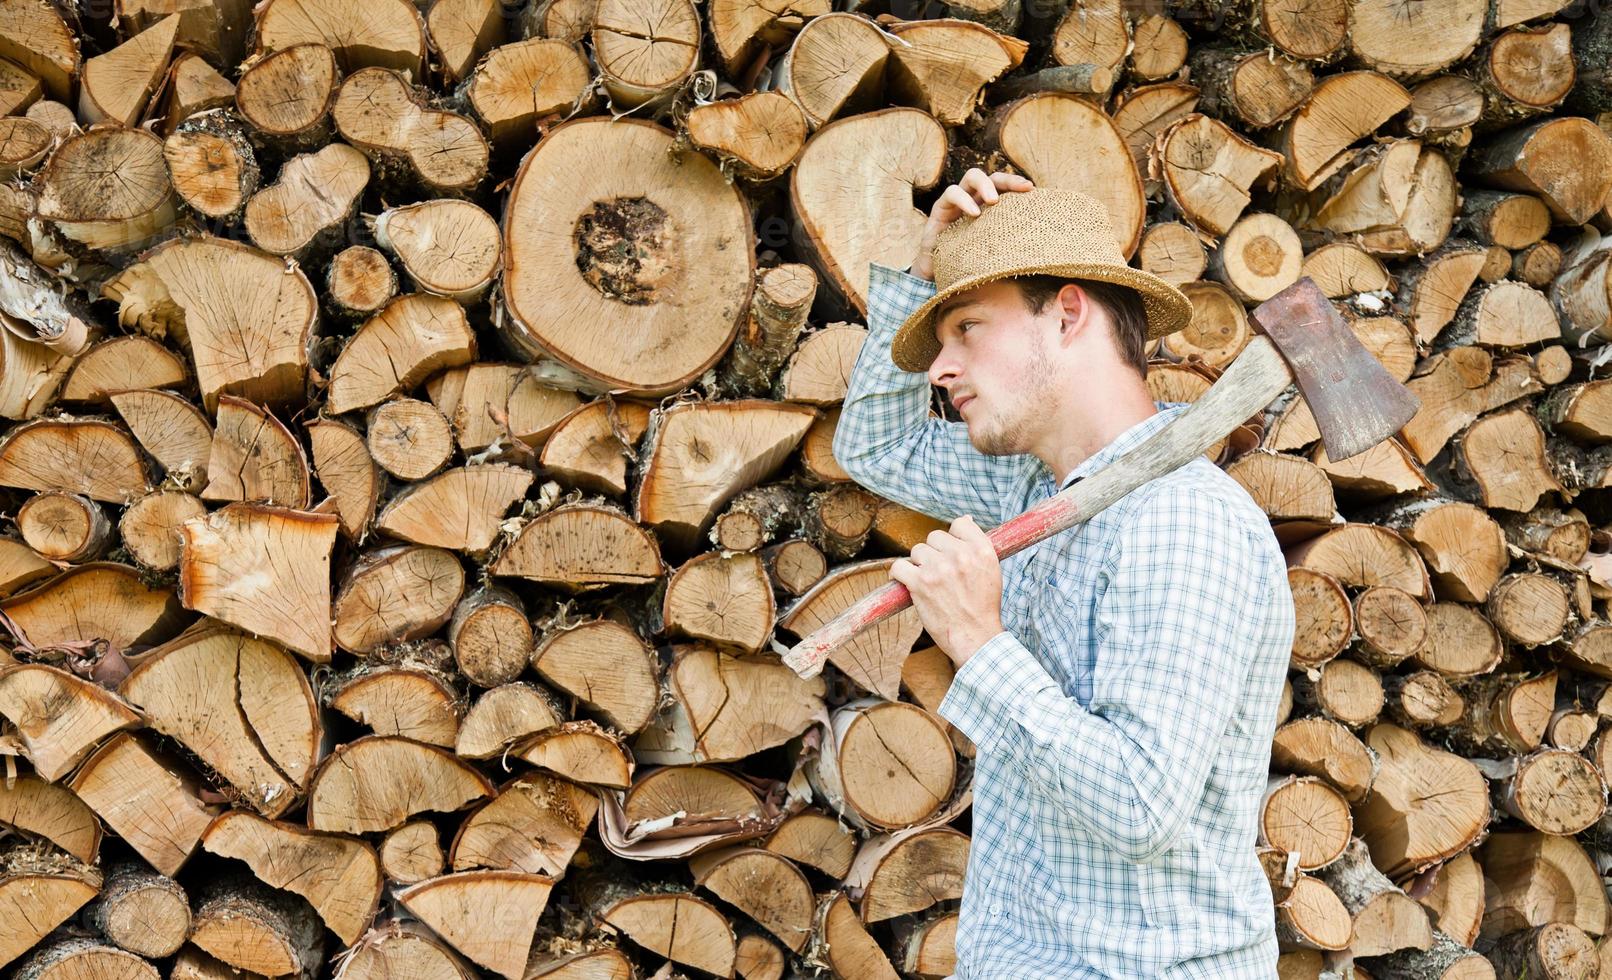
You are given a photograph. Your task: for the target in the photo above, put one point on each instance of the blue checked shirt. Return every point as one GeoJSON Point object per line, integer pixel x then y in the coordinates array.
{"type": "Point", "coordinates": [1124, 716]}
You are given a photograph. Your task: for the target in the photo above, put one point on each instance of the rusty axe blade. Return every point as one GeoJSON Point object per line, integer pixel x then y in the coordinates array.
{"type": "Point", "coordinates": [1356, 403]}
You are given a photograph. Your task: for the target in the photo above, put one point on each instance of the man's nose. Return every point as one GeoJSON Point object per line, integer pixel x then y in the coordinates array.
{"type": "Point", "coordinates": [943, 370]}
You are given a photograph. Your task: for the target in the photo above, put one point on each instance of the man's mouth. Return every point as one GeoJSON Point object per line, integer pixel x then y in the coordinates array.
{"type": "Point", "coordinates": [962, 402]}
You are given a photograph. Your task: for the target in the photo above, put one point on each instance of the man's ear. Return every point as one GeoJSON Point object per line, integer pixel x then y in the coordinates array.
{"type": "Point", "coordinates": [1074, 307]}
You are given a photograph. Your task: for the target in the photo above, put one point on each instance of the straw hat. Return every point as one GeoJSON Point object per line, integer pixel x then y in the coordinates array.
{"type": "Point", "coordinates": [1043, 231]}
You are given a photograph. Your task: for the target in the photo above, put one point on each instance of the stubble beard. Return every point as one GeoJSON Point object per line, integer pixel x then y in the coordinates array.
{"type": "Point", "coordinates": [1010, 435]}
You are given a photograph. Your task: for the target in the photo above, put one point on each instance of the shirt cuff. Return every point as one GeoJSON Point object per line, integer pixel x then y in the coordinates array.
{"type": "Point", "coordinates": [893, 295]}
{"type": "Point", "coordinates": [990, 687]}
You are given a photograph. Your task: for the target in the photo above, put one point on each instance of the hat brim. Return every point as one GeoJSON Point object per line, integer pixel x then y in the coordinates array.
{"type": "Point", "coordinates": [1167, 308]}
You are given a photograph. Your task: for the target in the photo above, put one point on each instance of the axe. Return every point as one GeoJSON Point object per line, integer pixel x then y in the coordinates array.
{"type": "Point", "coordinates": [1301, 338]}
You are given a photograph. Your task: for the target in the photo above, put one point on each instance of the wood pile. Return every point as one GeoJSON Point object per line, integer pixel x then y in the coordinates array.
{"type": "Point", "coordinates": [420, 427]}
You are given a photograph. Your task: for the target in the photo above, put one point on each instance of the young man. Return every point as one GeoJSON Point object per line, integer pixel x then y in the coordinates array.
{"type": "Point", "coordinates": [1120, 680]}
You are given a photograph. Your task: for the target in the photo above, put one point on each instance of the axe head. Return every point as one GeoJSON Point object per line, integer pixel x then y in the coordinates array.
{"type": "Point", "coordinates": [1355, 401]}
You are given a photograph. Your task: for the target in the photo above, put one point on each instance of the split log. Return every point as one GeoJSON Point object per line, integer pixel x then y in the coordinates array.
{"type": "Point", "coordinates": [1500, 461]}
{"type": "Point", "coordinates": [873, 658]}
{"type": "Point", "coordinates": [489, 916]}
{"type": "Point", "coordinates": [120, 363]}
{"type": "Point", "coordinates": [636, 70]}
{"type": "Point", "coordinates": [703, 721]}
{"type": "Point", "coordinates": [943, 66]}
{"type": "Point", "coordinates": [1582, 291]}
{"type": "Point", "coordinates": [42, 809]}
{"type": "Point", "coordinates": [580, 751]}
{"type": "Point", "coordinates": [764, 885]}
{"type": "Point", "coordinates": [491, 404]}
{"type": "Point", "coordinates": [1251, 87]}
{"type": "Point", "coordinates": [398, 947]}
{"type": "Point", "coordinates": [581, 546]}
{"type": "Point", "coordinates": [841, 942]}
{"type": "Point", "coordinates": [1340, 110]}
{"type": "Point", "coordinates": [1426, 804]}
{"type": "Point", "coordinates": [795, 565]}
{"type": "Point", "coordinates": [820, 368]}
{"type": "Point", "coordinates": [757, 516]}
{"type": "Point", "coordinates": [245, 320]}
{"type": "Point", "coordinates": [461, 31]}
{"type": "Point", "coordinates": [84, 456]}
{"type": "Point", "coordinates": [1143, 113]}
{"type": "Point", "coordinates": [535, 824]}
{"type": "Point", "coordinates": [1446, 959]}
{"type": "Point", "coordinates": [377, 782]}
{"type": "Point", "coordinates": [101, 602]}
{"type": "Point", "coordinates": [396, 594]}
{"type": "Point", "coordinates": [1343, 269]}
{"type": "Point", "coordinates": [339, 877]}
{"type": "Point", "coordinates": [78, 957]}
{"type": "Point", "coordinates": [403, 690]}
{"type": "Point", "coordinates": [1310, 916]}
{"type": "Point", "coordinates": [1219, 328]}
{"type": "Point", "coordinates": [413, 337]}
{"type": "Point", "coordinates": [1532, 879]}
{"type": "Point", "coordinates": [194, 87]}
{"type": "Point", "coordinates": [172, 430]}
{"type": "Point", "coordinates": [58, 716]}
{"type": "Point", "coordinates": [39, 41]}
{"type": "Point", "coordinates": [835, 65]}
{"type": "Point", "coordinates": [1506, 711]}
{"type": "Point", "coordinates": [698, 456]}
{"type": "Point", "coordinates": [39, 891]}
{"type": "Point", "coordinates": [723, 600]}
{"type": "Point", "coordinates": [1521, 160]}
{"type": "Point", "coordinates": [1465, 548]}
{"type": "Point", "coordinates": [1455, 901]}
{"type": "Point", "coordinates": [591, 447]}
{"type": "Point", "coordinates": [502, 715]}
{"type": "Point", "coordinates": [255, 457]}
{"type": "Point", "coordinates": [1324, 617]}
{"type": "Point", "coordinates": [606, 666]}
{"type": "Point", "coordinates": [907, 873]}
{"type": "Point", "coordinates": [1172, 251]}
{"type": "Point", "coordinates": [267, 747]}
{"type": "Point", "coordinates": [678, 926]}
{"type": "Point", "coordinates": [1023, 130]}
{"type": "Point", "coordinates": [814, 838]}
{"type": "Point", "coordinates": [347, 472]}
{"type": "Point", "coordinates": [148, 801]}
{"type": "Point", "coordinates": [461, 508]}
{"type": "Point", "coordinates": [233, 566]}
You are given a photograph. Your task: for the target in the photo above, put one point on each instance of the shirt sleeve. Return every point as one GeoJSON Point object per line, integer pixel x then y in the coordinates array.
{"type": "Point", "coordinates": [886, 439]}
{"type": "Point", "coordinates": [1173, 630]}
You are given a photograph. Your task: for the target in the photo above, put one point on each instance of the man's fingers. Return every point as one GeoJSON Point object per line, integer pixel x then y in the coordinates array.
{"type": "Point", "coordinates": [902, 570]}
{"type": "Point", "coordinates": [921, 552]}
{"type": "Point", "coordinates": [1010, 182]}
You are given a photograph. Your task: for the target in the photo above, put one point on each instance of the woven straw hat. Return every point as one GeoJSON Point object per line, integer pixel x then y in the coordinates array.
{"type": "Point", "coordinates": [1042, 231]}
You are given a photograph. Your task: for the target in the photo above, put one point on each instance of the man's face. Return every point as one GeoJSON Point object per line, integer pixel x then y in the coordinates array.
{"type": "Point", "coordinates": [995, 364]}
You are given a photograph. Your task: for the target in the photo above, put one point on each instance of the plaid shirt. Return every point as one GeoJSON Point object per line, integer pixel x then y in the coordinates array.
{"type": "Point", "coordinates": [1123, 717]}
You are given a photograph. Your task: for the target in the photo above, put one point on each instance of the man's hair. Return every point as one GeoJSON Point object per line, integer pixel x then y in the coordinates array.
{"type": "Point", "coordinates": [1124, 306]}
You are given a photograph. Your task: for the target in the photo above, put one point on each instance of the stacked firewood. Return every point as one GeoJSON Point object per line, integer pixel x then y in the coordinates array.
{"type": "Point", "coordinates": [420, 433]}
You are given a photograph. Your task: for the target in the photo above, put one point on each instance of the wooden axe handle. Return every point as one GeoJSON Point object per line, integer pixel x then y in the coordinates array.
{"type": "Point", "coordinates": [1253, 381]}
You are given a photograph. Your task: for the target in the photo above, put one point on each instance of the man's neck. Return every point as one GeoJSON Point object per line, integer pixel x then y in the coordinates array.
{"type": "Point", "coordinates": [1093, 420]}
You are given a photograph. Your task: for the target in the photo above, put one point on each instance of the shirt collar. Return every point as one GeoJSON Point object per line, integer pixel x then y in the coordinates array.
{"type": "Point", "coordinates": [1127, 440]}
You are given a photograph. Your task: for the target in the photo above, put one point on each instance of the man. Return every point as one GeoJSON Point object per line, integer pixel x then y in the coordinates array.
{"type": "Point", "coordinates": [1120, 680]}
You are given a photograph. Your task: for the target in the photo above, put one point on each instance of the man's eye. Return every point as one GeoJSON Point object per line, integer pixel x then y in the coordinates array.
{"type": "Point", "coordinates": [963, 327]}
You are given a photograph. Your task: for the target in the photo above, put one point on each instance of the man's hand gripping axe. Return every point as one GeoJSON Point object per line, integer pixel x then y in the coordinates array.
{"type": "Point", "coordinates": [1301, 338]}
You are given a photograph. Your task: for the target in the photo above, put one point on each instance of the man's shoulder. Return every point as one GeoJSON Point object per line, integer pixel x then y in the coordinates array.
{"type": "Point", "coordinates": [1201, 495]}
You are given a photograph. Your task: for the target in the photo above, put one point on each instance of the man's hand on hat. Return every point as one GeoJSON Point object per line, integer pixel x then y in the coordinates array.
{"type": "Point", "coordinates": [956, 583]}
{"type": "Point", "coordinates": [968, 196]}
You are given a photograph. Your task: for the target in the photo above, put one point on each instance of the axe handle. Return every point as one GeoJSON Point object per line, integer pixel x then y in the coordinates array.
{"type": "Point", "coordinates": [1253, 381]}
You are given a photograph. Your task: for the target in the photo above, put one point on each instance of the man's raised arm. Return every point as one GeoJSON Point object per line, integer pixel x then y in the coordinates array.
{"type": "Point", "coordinates": [886, 438]}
